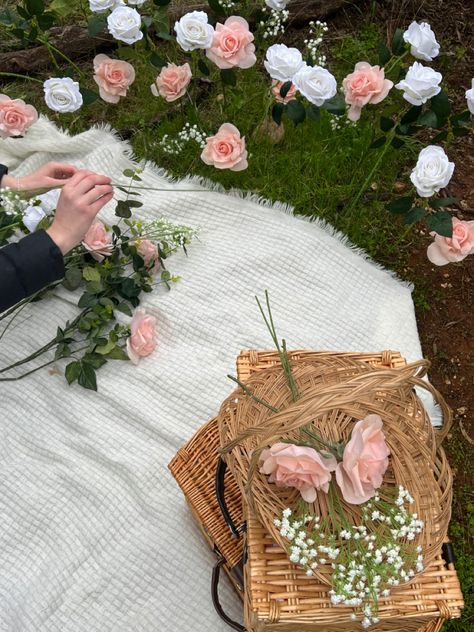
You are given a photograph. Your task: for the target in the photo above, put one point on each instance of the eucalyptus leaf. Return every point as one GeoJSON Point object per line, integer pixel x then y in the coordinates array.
{"type": "Point", "coordinates": [91, 274]}
{"type": "Point", "coordinates": [123, 209]}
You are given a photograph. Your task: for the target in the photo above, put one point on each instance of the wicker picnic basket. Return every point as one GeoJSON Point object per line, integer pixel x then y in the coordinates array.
{"type": "Point", "coordinates": [334, 392]}
{"type": "Point", "coordinates": [422, 605]}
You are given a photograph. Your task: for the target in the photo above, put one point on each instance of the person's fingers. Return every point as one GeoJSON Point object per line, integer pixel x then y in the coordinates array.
{"type": "Point", "coordinates": [78, 177]}
{"type": "Point", "coordinates": [86, 183]}
{"type": "Point", "coordinates": [100, 203]}
{"type": "Point", "coordinates": [62, 171]}
{"type": "Point", "coordinates": [98, 191]}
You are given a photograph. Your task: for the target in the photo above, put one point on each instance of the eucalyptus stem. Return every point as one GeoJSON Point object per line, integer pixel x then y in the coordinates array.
{"type": "Point", "coordinates": [248, 392]}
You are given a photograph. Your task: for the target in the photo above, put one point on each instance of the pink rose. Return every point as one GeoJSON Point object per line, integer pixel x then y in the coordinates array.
{"type": "Point", "coordinates": [172, 81]}
{"type": "Point", "coordinates": [149, 252]}
{"type": "Point", "coordinates": [297, 466]}
{"type": "Point", "coordinates": [226, 150]}
{"type": "Point", "coordinates": [98, 241]}
{"type": "Point", "coordinates": [142, 339]}
{"type": "Point", "coordinates": [364, 461]}
{"type": "Point", "coordinates": [113, 76]}
{"type": "Point", "coordinates": [232, 44]}
{"type": "Point", "coordinates": [367, 84]}
{"type": "Point", "coordinates": [456, 248]}
{"type": "Point", "coordinates": [290, 95]}
{"type": "Point", "coordinates": [15, 116]}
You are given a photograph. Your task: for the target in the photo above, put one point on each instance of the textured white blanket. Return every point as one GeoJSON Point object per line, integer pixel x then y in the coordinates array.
{"type": "Point", "coordinates": [94, 533]}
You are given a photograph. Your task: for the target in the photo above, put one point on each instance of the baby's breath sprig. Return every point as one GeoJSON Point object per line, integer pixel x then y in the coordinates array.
{"type": "Point", "coordinates": [313, 43]}
{"type": "Point", "coordinates": [273, 23]}
{"type": "Point", "coordinates": [367, 559]}
{"type": "Point", "coordinates": [189, 133]}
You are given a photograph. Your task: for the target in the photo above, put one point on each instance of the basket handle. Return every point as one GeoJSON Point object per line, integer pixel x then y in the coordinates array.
{"type": "Point", "coordinates": [220, 474]}
{"type": "Point", "coordinates": [216, 572]}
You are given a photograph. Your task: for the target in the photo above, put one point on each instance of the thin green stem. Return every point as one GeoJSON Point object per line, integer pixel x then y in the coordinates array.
{"type": "Point", "coordinates": [15, 74]}
{"type": "Point", "coordinates": [51, 47]}
{"type": "Point", "coordinates": [248, 392]}
{"type": "Point", "coordinates": [20, 377]}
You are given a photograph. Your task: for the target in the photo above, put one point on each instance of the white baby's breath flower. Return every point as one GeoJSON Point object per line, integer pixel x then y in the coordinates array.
{"type": "Point", "coordinates": [422, 40]}
{"type": "Point", "coordinates": [62, 94]}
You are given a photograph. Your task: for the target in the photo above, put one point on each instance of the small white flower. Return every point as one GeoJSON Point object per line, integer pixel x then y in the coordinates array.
{"type": "Point", "coordinates": [62, 94]}
{"type": "Point", "coordinates": [124, 24]}
{"type": "Point", "coordinates": [100, 6]}
{"type": "Point", "coordinates": [282, 63]}
{"type": "Point", "coordinates": [422, 40]}
{"type": "Point", "coordinates": [470, 98]}
{"type": "Point", "coordinates": [420, 84]}
{"type": "Point", "coordinates": [432, 171]}
{"type": "Point", "coordinates": [286, 512]}
{"type": "Point", "coordinates": [315, 83]}
{"type": "Point", "coordinates": [193, 31]}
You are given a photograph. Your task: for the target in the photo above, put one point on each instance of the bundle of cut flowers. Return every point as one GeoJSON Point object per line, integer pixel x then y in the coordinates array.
{"type": "Point", "coordinates": [108, 272]}
{"type": "Point", "coordinates": [340, 462]}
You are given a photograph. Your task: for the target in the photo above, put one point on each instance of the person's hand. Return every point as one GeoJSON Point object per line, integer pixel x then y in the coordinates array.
{"type": "Point", "coordinates": [81, 199]}
{"type": "Point", "coordinates": [52, 174]}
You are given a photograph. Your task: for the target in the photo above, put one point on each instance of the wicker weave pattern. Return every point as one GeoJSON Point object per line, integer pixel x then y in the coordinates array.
{"type": "Point", "coordinates": [281, 598]}
{"type": "Point", "coordinates": [335, 391]}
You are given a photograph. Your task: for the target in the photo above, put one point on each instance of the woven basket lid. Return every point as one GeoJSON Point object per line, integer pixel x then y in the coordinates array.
{"type": "Point", "coordinates": [334, 393]}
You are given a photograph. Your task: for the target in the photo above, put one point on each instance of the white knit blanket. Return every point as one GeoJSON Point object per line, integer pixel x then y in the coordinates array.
{"type": "Point", "coordinates": [95, 535]}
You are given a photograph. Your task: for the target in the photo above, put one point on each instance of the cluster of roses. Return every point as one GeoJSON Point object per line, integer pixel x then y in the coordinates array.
{"type": "Point", "coordinates": [359, 474]}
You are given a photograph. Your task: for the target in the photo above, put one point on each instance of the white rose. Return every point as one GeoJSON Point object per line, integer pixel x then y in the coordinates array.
{"type": "Point", "coordinates": [32, 216]}
{"type": "Point", "coordinates": [194, 31]}
{"type": "Point", "coordinates": [137, 3]}
{"type": "Point", "coordinates": [315, 83]}
{"type": "Point", "coordinates": [124, 25]}
{"type": "Point", "coordinates": [62, 94]}
{"type": "Point", "coordinates": [423, 41]}
{"type": "Point", "coordinates": [100, 6]}
{"type": "Point", "coordinates": [277, 5]}
{"type": "Point", "coordinates": [420, 84]}
{"type": "Point", "coordinates": [470, 98]}
{"type": "Point", "coordinates": [282, 63]}
{"type": "Point", "coordinates": [432, 172]}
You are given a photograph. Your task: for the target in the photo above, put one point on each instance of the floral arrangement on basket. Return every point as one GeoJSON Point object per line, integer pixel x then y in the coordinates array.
{"type": "Point", "coordinates": [399, 93]}
{"type": "Point", "coordinates": [109, 272]}
{"type": "Point", "coordinates": [355, 499]}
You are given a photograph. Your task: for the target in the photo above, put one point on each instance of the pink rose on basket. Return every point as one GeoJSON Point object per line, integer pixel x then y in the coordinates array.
{"type": "Point", "coordinates": [149, 252]}
{"type": "Point", "coordinates": [297, 466]}
{"type": "Point", "coordinates": [367, 84]}
{"type": "Point", "coordinates": [172, 82]}
{"type": "Point", "coordinates": [364, 461]}
{"type": "Point", "coordinates": [113, 76]}
{"type": "Point", "coordinates": [232, 44]}
{"type": "Point", "coordinates": [98, 241]}
{"type": "Point", "coordinates": [226, 150]}
{"type": "Point", "coordinates": [16, 116]}
{"type": "Point", "coordinates": [456, 248]}
{"type": "Point", "coordinates": [142, 339]}
{"type": "Point", "coordinates": [290, 95]}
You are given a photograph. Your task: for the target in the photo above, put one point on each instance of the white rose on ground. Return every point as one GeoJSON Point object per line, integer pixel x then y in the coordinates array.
{"type": "Point", "coordinates": [124, 24]}
{"type": "Point", "coordinates": [470, 98]}
{"type": "Point", "coordinates": [432, 172]}
{"type": "Point", "coordinates": [100, 6]}
{"type": "Point", "coordinates": [62, 94]}
{"type": "Point", "coordinates": [137, 3]}
{"type": "Point", "coordinates": [194, 31]}
{"type": "Point", "coordinates": [422, 40]}
{"type": "Point", "coordinates": [282, 63]}
{"type": "Point", "coordinates": [277, 5]}
{"type": "Point", "coordinates": [315, 83]}
{"type": "Point", "coordinates": [32, 216]}
{"type": "Point", "coordinates": [420, 84]}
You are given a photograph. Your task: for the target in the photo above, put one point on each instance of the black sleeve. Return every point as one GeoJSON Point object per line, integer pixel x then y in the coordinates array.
{"type": "Point", "coordinates": [3, 172]}
{"type": "Point", "coordinates": [27, 266]}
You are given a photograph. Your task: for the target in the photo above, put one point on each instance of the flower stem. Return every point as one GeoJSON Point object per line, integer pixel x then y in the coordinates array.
{"type": "Point", "coordinates": [15, 74]}
{"type": "Point", "coordinates": [248, 392]}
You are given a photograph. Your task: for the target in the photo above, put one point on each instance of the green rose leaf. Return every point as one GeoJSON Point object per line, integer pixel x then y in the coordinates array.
{"type": "Point", "coordinates": [216, 7]}
{"type": "Point", "coordinates": [161, 3]}
{"type": "Point", "coordinates": [398, 44]}
{"type": "Point", "coordinates": [440, 137]}
{"type": "Point", "coordinates": [203, 67]}
{"type": "Point", "coordinates": [336, 105]}
{"type": "Point", "coordinates": [72, 371]}
{"type": "Point", "coordinates": [124, 308]}
{"type": "Point", "coordinates": [313, 112]}
{"type": "Point", "coordinates": [444, 201]}
{"type": "Point", "coordinates": [441, 223]}
{"type": "Point", "coordinates": [96, 25]}
{"type": "Point", "coordinates": [414, 214]}
{"type": "Point", "coordinates": [35, 7]}
{"type": "Point", "coordinates": [123, 209]}
{"type": "Point", "coordinates": [285, 89]}
{"type": "Point", "coordinates": [277, 112]}
{"type": "Point", "coordinates": [89, 96]}
{"type": "Point", "coordinates": [378, 142]}
{"type": "Point", "coordinates": [412, 115]}
{"type": "Point", "coordinates": [117, 353]}
{"type": "Point", "coordinates": [295, 111]}
{"type": "Point", "coordinates": [397, 142]}
{"type": "Point", "coordinates": [62, 8]}
{"type": "Point", "coordinates": [228, 76]}
{"type": "Point", "coordinates": [87, 300]}
{"type": "Point", "coordinates": [386, 124]}
{"type": "Point", "coordinates": [157, 60]}
{"type": "Point", "coordinates": [440, 104]}
{"type": "Point", "coordinates": [87, 377]}
{"type": "Point", "coordinates": [429, 119]}
{"type": "Point", "coordinates": [400, 206]}
{"type": "Point", "coordinates": [384, 54]}
{"type": "Point", "coordinates": [94, 359]}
